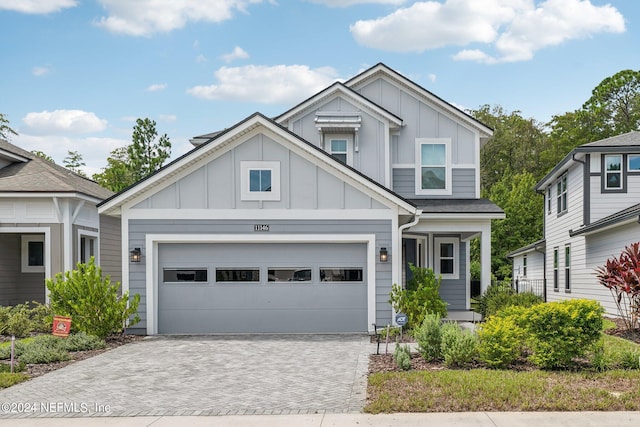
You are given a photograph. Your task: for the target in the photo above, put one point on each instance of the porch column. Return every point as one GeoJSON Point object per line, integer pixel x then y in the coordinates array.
{"type": "Point", "coordinates": [485, 257]}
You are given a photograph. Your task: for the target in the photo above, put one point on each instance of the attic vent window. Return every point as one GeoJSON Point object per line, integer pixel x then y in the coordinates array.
{"type": "Point", "coordinates": [260, 180]}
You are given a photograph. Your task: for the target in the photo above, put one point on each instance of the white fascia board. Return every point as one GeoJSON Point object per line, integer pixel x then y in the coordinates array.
{"type": "Point", "coordinates": [12, 156]}
{"type": "Point", "coordinates": [262, 214]}
{"type": "Point", "coordinates": [44, 195]}
{"type": "Point", "coordinates": [451, 225]}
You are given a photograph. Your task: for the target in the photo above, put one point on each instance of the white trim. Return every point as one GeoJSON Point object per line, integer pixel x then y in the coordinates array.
{"type": "Point", "coordinates": [8, 155]}
{"type": "Point", "coordinates": [462, 216]}
{"type": "Point", "coordinates": [24, 254]}
{"type": "Point", "coordinates": [447, 190]}
{"type": "Point", "coordinates": [124, 250]}
{"type": "Point", "coordinates": [261, 214]}
{"type": "Point", "coordinates": [349, 138]}
{"type": "Point", "coordinates": [403, 166]}
{"type": "Point", "coordinates": [50, 195]}
{"type": "Point", "coordinates": [88, 233]}
{"type": "Point", "coordinates": [245, 182]}
{"type": "Point", "coordinates": [437, 241]}
{"type": "Point", "coordinates": [151, 247]}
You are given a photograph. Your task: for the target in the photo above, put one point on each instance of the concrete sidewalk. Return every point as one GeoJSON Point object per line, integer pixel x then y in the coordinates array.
{"type": "Point", "coordinates": [470, 419]}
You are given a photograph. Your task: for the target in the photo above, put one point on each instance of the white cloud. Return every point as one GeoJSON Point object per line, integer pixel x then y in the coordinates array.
{"type": "Point", "coordinates": [347, 3]}
{"type": "Point", "coordinates": [514, 29]}
{"type": "Point", "coordinates": [145, 17]}
{"type": "Point", "coordinates": [37, 6]}
{"type": "Point", "coordinates": [201, 58]}
{"type": "Point", "coordinates": [266, 84]}
{"type": "Point", "coordinates": [432, 77]}
{"type": "Point", "coordinates": [167, 117]}
{"type": "Point", "coordinates": [157, 87]}
{"type": "Point", "coordinates": [40, 71]}
{"type": "Point", "coordinates": [64, 121]}
{"type": "Point", "coordinates": [238, 53]}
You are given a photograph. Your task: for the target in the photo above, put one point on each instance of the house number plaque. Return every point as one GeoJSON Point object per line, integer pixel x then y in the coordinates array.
{"type": "Point", "coordinates": [261, 227]}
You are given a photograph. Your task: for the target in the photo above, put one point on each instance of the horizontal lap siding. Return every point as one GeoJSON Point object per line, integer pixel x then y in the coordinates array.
{"type": "Point", "coordinates": [10, 247]}
{"type": "Point", "coordinates": [138, 229]}
{"type": "Point", "coordinates": [111, 248]}
{"type": "Point", "coordinates": [464, 183]}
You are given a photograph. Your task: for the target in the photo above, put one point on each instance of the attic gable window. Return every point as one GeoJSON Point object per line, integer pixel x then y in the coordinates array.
{"type": "Point", "coordinates": [260, 180]}
{"type": "Point", "coordinates": [433, 169]}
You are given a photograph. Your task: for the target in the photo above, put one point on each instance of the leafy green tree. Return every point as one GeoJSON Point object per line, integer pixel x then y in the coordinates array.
{"type": "Point", "coordinates": [43, 155]}
{"type": "Point", "coordinates": [74, 162]}
{"type": "Point", "coordinates": [5, 130]}
{"type": "Point", "coordinates": [117, 175]}
{"type": "Point", "coordinates": [147, 153]}
{"type": "Point", "coordinates": [523, 223]}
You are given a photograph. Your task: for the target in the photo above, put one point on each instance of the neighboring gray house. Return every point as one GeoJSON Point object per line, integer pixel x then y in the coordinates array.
{"type": "Point", "coordinates": [591, 214]}
{"type": "Point", "coordinates": [303, 222]}
{"type": "Point", "coordinates": [48, 223]}
{"type": "Point", "coordinates": [528, 268]}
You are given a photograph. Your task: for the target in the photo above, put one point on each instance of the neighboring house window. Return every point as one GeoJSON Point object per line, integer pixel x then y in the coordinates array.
{"type": "Point", "coordinates": [433, 156]}
{"type": "Point", "coordinates": [549, 200]}
{"type": "Point", "coordinates": [633, 163]}
{"type": "Point", "coordinates": [567, 267]}
{"type": "Point", "coordinates": [447, 254]}
{"type": "Point", "coordinates": [613, 172]}
{"type": "Point", "coordinates": [260, 180]}
{"type": "Point", "coordinates": [555, 269]}
{"type": "Point", "coordinates": [524, 265]}
{"type": "Point", "coordinates": [88, 245]}
{"type": "Point", "coordinates": [33, 254]}
{"type": "Point", "coordinates": [561, 188]}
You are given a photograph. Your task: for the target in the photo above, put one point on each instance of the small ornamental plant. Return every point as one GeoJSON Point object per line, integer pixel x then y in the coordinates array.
{"type": "Point", "coordinates": [621, 275]}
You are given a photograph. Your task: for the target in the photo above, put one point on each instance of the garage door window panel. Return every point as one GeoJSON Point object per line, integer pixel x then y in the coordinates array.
{"type": "Point", "coordinates": [177, 275]}
{"type": "Point", "coordinates": [289, 274]}
{"type": "Point", "coordinates": [339, 274]}
{"type": "Point", "coordinates": [233, 275]}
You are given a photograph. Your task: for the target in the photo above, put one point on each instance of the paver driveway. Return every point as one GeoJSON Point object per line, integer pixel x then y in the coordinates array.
{"type": "Point", "coordinates": [274, 374]}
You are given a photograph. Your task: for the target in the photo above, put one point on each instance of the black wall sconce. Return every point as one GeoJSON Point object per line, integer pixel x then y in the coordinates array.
{"type": "Point", "coordinates": [384, 255]}
{"type": "Point", "coordinates": [135, 255]}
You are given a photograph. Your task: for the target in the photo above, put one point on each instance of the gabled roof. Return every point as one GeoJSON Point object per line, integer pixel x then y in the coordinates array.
{"type": "Point", "coordinates": [538, 244]}
{"type": "Point", "coordinates": [339, 88]}
{"type": "Point", "coordinates": [32, 174]}
{"type": "Point", "coordinates": [625, 216]}
{"type": "Point", "coordinates": [625, 143]}
{"type": "Point", "coordinates": [223, 139]}
{"type": "Point", "coordinates": [381, 69]}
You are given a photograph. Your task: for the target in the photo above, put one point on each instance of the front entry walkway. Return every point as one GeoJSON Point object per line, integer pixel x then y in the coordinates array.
{"type": "Point", "coordinates": [209, 375]}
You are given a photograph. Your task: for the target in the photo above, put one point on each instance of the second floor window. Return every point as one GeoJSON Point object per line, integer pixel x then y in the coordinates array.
{"type": "Point", "coordinates": [613, 172]}
{"type": "Point", "coordinates": [433, 174]}
{"type": "Point", "coordinates": [561, 191]}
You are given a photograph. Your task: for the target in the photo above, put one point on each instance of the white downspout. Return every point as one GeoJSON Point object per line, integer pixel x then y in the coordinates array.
{"type": "Point", "coordinates": [396, 256]}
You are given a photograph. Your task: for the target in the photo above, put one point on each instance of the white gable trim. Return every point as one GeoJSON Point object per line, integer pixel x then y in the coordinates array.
{"type": "Point", "coordinates": [152, 241]}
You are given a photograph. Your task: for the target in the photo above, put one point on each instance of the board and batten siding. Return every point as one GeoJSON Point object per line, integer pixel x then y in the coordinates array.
{"type": "Point", "coordinates": [303, 185]}
{"type": "Point", "coordinates": [463, 185]}
{"type": "Point", "coordinates": [138, 229]}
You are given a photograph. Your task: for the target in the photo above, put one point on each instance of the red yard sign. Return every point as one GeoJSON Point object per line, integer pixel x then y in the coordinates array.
{"type": "Point", "coordinates": [61, 326]}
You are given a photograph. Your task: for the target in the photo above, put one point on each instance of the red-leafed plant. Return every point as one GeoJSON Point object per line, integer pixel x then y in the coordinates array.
{"type": "Point", "coordinates": [622, 277]}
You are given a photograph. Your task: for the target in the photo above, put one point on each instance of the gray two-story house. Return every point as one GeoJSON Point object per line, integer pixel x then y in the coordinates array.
{"type": "Point", "coordinates": [591, 213]}
{"type": "Point", "coordinates": [302, 222]}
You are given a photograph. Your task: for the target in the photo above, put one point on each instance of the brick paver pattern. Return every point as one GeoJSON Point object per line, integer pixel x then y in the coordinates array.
{"type": "Point", "coordinates": [210, 375]}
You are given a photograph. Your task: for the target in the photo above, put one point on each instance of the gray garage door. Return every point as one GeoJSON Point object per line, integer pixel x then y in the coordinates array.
{"type": "Point", "coordinates": [262, 287]}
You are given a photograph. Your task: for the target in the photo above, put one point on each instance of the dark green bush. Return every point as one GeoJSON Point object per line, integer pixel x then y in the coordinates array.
{"type": "Point", "coordinates": [428, 336]}
{"type": "Point", "coordinates": [500, 341]}
{"type": "Point", "coordinates": [402, 357]}
{"type": "Point", "coordinates": [557, 332]}
{"type": "Point", "coordinates": [498, 297]}
{"type": "Point", "coordinates": [19, 323]}
{"type": "Point", "coordinates": [420, 297]}
{"type": "Point", "coordinates": [41, 317]}
{"type": "Point", "coordinates": [17, 367]}
{"type": "Point", "coordinates": [91, 301]}
{"type": "Point", "coordinates": [458, 346]}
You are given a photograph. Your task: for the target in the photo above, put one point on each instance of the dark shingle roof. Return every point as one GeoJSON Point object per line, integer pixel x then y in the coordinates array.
{"type": "Point", "coordinates": [625, 140]}
{"type": "Point", "coordinates": [37, 175]}
{"type": "Point", "coordinates": [480, 206]}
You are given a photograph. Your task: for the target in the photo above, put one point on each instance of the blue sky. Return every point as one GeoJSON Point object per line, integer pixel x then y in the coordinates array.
{"type": "Point", "coordinates": [75, 74]}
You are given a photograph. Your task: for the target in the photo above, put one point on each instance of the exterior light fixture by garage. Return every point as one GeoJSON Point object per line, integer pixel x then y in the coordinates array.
{"type": "Point", "coordinates": [135, 255]}
{"type": "Point", "coordinates": [384, 256]}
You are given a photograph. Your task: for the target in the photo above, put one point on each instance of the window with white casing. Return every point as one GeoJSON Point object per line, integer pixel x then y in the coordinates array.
{"type": "Point", "coordinates": [447, 257]}
{"type": "Point", "coordinates": [33, 253]}
{"type": "Point", "coordinates": [613, 172]}
{"type": "Point", "coordinates": [260, 180]}
{"type": "Point", "coordinates": [433, 163]}
{"type": "Point", "coordinates": [340, 147]}
{"type": "Point", "coordinates": [88, 248]}
{"type": "Point", "coordinates": [561, 194]}
{"type": "Point", "coordinates": [633, 162]}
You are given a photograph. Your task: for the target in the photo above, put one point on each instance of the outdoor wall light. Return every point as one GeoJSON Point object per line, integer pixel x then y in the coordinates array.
{"type": "Point", "coordinates": [135, 255]}
{"type": "Point", "coordinates": [384, 255]}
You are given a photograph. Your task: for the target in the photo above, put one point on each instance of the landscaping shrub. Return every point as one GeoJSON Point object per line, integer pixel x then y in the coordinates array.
{"type": "Point", "coordinates": [19, 323]}
{"type": "Point", "coordinates": [557, 332]}
{"type": "Point", "coordinates": [499, 296]}
{"type": "Point", "coordinates": [428, 336]}
{"type": "Point", "coordinates": [8, 379]}
{"type": "Point", "coordinates": [17, 367]}
{"type": "Point", "coordinates": [402, 357]}
{"type": "Point", "coordinates": [500, 341]}
{"type": "Point", "coordinates": [41, 317]}
{"type": "Point", "coordinates": [22, 319]}
{"type": "Point", "coordinates": [80, 341]}
{"type": "Point", "coordinates": [630, 359]}
{"type": "Point", "coordinates": [458, 346]}
{"type": "Point", "coordinates": [42, 351]}
{"type": "Point", "coordinates": [92, 301]}
{"type": "Point", "coordinates": [420, 297]}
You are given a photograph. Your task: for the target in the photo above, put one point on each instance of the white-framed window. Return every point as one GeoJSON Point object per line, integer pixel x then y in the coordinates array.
{"type": "Point", "coordinates": [613, 172]}
{"type": "Point", "coordinates": [87, 246]}
{"type": "Point", "coordinates": [567, 268]}
{"type": "Point", "coordinates": [524, 265]}
{"type": "Point", "coordinates": [340, 146]}
{"type": "Point", "coordinates": [33, 253]}
{"type": "Point", "coordinates": [555, 268]}
{"type": "Point", "coordinates": [561, 194]}
{"type": "Point", "coordinates": [260, 180]}
{"type": "Point", "coordinates": [433, 159]}
{"type": "Point", "coordinates": [549, 201]}
{"type": "Point", "coordinates": [633, 162]}
{"type": "Point", "coordinates": [447, 257]}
